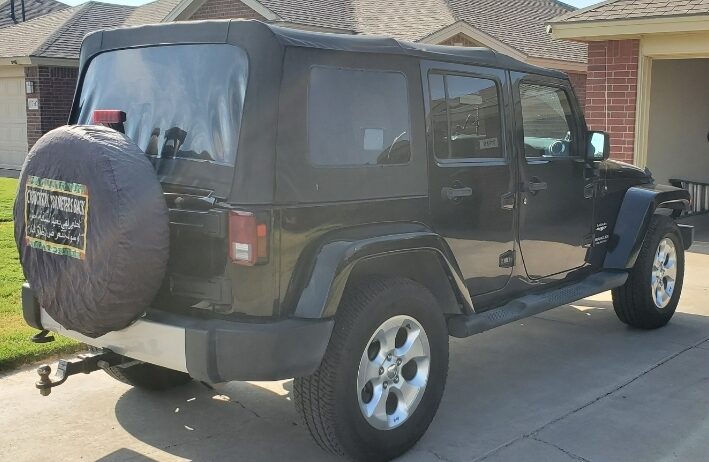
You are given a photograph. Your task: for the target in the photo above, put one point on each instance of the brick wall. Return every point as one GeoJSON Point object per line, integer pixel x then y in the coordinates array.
{"type": "Point", "coordinates": [225, 9]}
{"type": "Point", "coordinates": [611, 92]}
{"type": "Point", "coordinates": [578, 81]}
{"type": "Point", "coordinates": [54, 88]}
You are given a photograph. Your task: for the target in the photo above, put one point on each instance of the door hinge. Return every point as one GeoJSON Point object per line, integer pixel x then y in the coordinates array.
{"type": "Point", "coordinates": [507, 259]}
{"type": "Point", "coordinates": [589, 191]}
{"type": "Point", "coordinates": [587, 241]}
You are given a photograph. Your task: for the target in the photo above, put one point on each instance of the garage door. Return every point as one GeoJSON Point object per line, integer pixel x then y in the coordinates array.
{"type": "Point", "coordinates": [13, 122]}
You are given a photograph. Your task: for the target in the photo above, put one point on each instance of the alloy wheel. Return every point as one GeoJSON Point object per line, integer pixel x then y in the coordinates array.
{"type": "Point", "coordinates": [664, 273]}
{"type": "Point", "coordinates": [393, 372]}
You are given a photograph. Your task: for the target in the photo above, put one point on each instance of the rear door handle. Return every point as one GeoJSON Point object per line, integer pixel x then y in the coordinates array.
{"type": "Point", "coordinates": [454, 194]}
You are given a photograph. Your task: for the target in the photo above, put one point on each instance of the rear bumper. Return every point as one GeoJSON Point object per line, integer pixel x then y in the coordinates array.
{"type": "Point", "coordinates": [210, 350]}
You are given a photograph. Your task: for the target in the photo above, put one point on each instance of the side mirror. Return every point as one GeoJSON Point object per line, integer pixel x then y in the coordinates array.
{"type": "Point", "coordinates": [598, 146]}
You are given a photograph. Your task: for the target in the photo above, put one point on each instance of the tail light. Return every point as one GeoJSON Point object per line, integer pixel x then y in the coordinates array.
{"type": "Point", "coordinates": [112, 118]}
{"type": "Point", "coordinates": [248, 239]}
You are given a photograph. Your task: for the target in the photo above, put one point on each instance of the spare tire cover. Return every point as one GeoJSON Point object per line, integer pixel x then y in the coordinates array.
{"type": "Point", "coordinates": [91, 227]}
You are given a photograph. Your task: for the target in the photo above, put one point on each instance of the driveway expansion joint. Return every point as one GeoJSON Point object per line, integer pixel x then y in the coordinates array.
{"type": "Point", "coordinates": [559, 448]}
{"type": "Point", "coordinates": [438, 456]}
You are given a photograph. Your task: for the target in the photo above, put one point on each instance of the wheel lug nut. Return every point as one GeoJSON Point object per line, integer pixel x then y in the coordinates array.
{"type": "Point", "coordinates": [381, 370]}
{"type": "Point", "coordinates": [396, 379]}
{"type": "Point", "coordinates": [398, 362]}
{"type": "Point", "coordinates": [385, 385]}
{"type": "Point", "coordinates": [389, 357]}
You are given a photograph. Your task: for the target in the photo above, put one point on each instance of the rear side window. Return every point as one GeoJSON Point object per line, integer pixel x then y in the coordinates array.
{"type": "Point", "coordinates": [465, 116]}
{"type": "Point", "coordinates": [358, 117]}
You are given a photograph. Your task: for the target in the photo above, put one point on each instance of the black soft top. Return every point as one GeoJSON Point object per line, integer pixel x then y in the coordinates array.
{"type": "Point", "coordinates": [223, 31]}
{"type": "Point", "coordinates": [266, 46]}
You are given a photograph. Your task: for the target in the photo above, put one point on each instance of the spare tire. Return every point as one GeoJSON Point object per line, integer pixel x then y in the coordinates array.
{"type": "Point", "coordinates": [91, 227]}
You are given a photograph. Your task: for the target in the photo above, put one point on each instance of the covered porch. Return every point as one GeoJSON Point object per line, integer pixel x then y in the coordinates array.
{"type": "Point", "coordinates": [648, 85]}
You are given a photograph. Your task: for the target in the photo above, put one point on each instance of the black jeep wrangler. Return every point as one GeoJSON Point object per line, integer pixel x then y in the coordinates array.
{"type": "Point", "coordinates": [237, 201]}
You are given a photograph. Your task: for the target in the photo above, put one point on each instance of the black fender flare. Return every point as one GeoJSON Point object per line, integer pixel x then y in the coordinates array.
{"type": "Point", "coordinates": [638, 206]}
{"type": "Point", "coordinates": [336, 258]}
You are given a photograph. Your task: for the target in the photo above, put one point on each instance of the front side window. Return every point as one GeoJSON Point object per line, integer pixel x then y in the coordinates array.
{"type": "Point", "coordinates": [465, 117]}
{"type": "Point", "coordinates": [547, 121]}
{"type": "Point", "coordinates": [358, 118]}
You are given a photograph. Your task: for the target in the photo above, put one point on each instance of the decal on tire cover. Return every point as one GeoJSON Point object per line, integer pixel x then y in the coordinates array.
{"type": "Point", "coordinates": [56, 216]}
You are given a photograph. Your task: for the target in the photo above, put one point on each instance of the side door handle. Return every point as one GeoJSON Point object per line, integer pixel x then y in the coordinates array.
{"type": "Point", "coordinates": [455, 194]}
{"type": "Point", "coordinates": [535, 185]}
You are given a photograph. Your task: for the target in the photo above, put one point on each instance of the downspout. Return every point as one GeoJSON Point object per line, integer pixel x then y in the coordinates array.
{"type": "Point", "coordinates": [12, 11]}
{"type": "Point", "coordinates": [23, 11]}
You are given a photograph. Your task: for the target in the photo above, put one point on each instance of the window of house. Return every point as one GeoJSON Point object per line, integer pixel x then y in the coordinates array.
{"type": "Point", "coordinates": [358, 117]}
{"type": "Point", "coordinates": [547, 121]}
{"type": "Point", "coordinates": [465, 117]}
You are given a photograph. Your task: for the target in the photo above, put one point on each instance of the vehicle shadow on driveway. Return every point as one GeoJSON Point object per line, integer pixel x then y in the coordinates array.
{"type": "Point", "coordinates": [502, 384]}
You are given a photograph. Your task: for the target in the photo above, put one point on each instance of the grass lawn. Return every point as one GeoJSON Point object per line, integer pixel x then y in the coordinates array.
{"type": "Point", "coordinates": [15, 346]}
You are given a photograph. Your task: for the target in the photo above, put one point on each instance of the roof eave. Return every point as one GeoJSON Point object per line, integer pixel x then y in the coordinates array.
{"type": "Point", "coordinates": [560, 64]}
{"type": "Point", "coordinates": [462, 27]}
{"type": "Point", "coordinates": [38, 61]}
{"type": "Point", "coordinates": [614, 29]}
{"type": "Point", "coordinates": [186, 8]}
{"type": "Point", "coordinates": [312, 28]}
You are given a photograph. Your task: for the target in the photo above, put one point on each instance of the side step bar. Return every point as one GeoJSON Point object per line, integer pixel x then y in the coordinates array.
{"type": "Point", "coordinates": [466, 325]}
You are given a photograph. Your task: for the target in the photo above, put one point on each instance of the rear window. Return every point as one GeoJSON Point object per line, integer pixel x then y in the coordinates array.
{"type": "Point", "coordinates": [181, 101]}
{"type": "Point", "coordinates": [358, 117]}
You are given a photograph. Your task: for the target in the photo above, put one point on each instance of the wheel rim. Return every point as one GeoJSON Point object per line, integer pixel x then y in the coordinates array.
{"type": "Point", "coordinates": [664, 273]}
{"type": "Point", "coordinates": [393, 372]}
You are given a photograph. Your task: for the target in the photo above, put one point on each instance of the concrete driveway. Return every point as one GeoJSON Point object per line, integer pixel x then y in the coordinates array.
{"type": "Point", "coordinates": [573, 384]}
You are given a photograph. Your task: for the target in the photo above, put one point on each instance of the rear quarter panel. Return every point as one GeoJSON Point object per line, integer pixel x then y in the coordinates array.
{"type": "Point", "coordinates": [305, 229]}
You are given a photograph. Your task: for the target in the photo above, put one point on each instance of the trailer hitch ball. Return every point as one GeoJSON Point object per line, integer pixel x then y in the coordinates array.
{"type": "Point", "coordinates": [82, 364]}
{"type": "Point", "coordinates": [44, 383]}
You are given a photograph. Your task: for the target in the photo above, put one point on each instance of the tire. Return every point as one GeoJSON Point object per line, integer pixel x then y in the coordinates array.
{"type": "Point", "coordinates": [330, 401]}
{"type": "Point", "coordinates": [147, 376]}
{"type": "Point", "coordinates": [91, 228]}
{"type": "Point", "coordinates": [638, 302]}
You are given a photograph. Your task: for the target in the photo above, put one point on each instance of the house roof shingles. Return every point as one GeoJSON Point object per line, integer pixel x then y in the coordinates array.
{"type": "Point", "coordinates": [521, 25]}
{"type": "Point", "coordinates": [635, 9]}
{"type": "Point", "coordinates": [517, 23]}
{"type": "Point", "coordinates": [150, 13]}
{"type": "Point", "coordinates": [91, 16]}
{"type": "Point", "coordinates": [59, 34]}
{"type": "Point", "coordinates": [33, 9]}
{"type": "Point", "coordinates": [25, 38]}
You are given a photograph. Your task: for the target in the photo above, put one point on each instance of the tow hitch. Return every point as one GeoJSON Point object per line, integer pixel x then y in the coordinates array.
{"type": "Point", "coordinates": [82, 364]}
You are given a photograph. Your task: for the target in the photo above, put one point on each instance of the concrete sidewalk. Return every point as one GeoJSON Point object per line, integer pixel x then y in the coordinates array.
{"type": "Point", "coordinates": [572, 384]}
